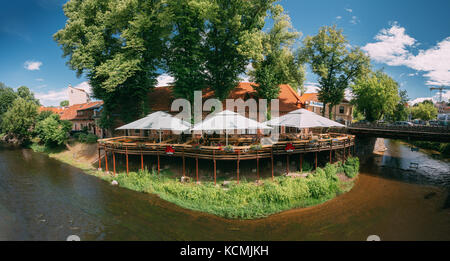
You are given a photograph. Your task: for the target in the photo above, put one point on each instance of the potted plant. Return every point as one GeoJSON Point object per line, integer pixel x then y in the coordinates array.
{"type": "Point", "coordinates": [256, 147]}
{"type": "Point", "coordinates": [170, 150]}
{"type": "Point", "coordinates": [228, 148]}
{"type": "Point", "coordinates": [289, 147]}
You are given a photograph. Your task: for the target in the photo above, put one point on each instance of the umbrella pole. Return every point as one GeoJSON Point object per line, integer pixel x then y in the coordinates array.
{"type": "Point", "coordinates": [226, 137]}
{"type": "Point", "coordinates": [159, 136]}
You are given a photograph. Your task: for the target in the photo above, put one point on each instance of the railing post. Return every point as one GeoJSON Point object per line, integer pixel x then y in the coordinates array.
{"type": "Point", "coordinates": [114, 163]}
{"type": "Point", "coordinates": [126, 155]}
{"type": "Point", "coordinates": [214, 160]}
{"type": "Point", "coordinates": [238, 167]}
{"type": "Point", "coordinates": [271, 160]}
{"type": "Point", "coordinates": [106, 160]}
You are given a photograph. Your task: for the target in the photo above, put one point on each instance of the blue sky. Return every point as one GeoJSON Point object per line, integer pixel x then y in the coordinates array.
{"type": "Point", "coordinates": [409, 39]}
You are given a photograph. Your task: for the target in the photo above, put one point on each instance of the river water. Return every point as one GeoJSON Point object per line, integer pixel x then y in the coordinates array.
{"type": "Point", "coordinates": [44, 199]}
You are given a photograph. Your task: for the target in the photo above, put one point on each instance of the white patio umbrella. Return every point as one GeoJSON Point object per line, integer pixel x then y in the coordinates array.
{"type": "Point", "coordinates": [302, 118]}
{"type": "Point", "coordinates": [157, 121]}
{"type": "Point", "coordinates": [228, 120]}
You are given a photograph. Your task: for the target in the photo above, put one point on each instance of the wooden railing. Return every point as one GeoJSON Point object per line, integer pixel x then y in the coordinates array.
{"type": "Point", "coordinates": [139, 146]}
{"type": "Point", "coordinates": [419, 128]}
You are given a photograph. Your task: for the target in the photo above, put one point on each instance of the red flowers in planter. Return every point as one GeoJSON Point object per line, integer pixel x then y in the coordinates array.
{"type": "Point", "coordinates": [289, 147]}
{"type": "Point", "coordinates": [169, 150]}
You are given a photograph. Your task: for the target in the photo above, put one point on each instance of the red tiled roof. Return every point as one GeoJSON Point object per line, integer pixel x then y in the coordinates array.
{"type": "Point", "coordinates": [309, 97]}
{"type": "Point", "coordinates": [57, 110]}
{"type": "Point", "coordinates": [70, 113]}
{"type": "Point", "coordinates": [160, 99]}
{"type": "Point", "coordinates": [314, 97]}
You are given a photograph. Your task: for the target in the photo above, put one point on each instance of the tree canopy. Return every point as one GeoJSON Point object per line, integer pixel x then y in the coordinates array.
{"type": "Point", "coordinates": [20, 119]}
{"type": "Point", "coordinates": [424, 111]}
{"type": "Point", "coordinates": [376, 95]}
{"type": "Point", "coordinates": [118, 45]}
{"type": "Point", "coordinates": [64, 103]}
{"type": "Point", "coordinates": [279, 64]}
{"type": "Point", "coordinates": [335, 63]}
{"type": "Point", "coordinates": [233, 39]}
{"type": "Point", "coordinates": [187, 51]}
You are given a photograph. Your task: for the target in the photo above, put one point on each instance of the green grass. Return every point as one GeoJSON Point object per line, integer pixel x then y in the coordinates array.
{"type": "Point", "coordinates": [245, 200]}
{"type": "Point", "coordinates": [442, 147]}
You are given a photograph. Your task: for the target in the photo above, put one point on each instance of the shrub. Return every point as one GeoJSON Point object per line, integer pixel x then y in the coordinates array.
{"type": "Point", "coordinates": [318, 186]}
{"type": "Point", "coordinates": [351, 167]}
{"type": "Point", "coordinates": [82, 137]}
{"type": "Point", "coordinates": [52, 131]}
{"type": "Point", "coordinates": [91, 138]}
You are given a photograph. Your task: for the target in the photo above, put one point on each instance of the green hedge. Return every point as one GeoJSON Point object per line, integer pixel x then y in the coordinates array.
{"type": "Point", "coordinates": [245, 200]}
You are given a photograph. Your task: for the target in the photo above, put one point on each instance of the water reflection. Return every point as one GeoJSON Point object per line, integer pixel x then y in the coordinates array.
{"type": "Point", "coordinates": [43, 199]}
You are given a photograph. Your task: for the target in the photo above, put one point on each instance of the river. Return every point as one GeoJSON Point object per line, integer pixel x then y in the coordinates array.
{"type": "Point", "coordinates": [44, 199]}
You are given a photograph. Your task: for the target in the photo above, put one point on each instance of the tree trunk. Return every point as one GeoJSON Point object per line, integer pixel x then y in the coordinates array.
{"type": "Point", "coordinates": [323, 109]}
{"type": "Point", "coordinates": [330, 112]}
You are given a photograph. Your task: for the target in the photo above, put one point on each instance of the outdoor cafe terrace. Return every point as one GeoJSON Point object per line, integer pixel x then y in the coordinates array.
{"type": "Point", "coordinates": [221, 147]}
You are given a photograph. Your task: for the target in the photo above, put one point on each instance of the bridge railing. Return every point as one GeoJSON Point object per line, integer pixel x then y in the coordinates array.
{"type": "Point", "coordinates": [419, 128]}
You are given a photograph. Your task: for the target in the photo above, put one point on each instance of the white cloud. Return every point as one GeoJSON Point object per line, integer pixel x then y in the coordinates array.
{"type": "Point", "coordinates": [393, 47]}
{"type": "Point", "coordinates": [435, 98]}
{"type": "Point", "coordinates": [354, 20]}
{"type": "Point", "coordinates": [164, 80]}
{"type": "Point", "coordinates": [39, 79]}
{"type": "Point", "coordinates": [32, 65]}
{"type": "Point", "coordinates": [349, 10]}
{"type": "Point", "coordinates": [52, 98]}
{"type": "Point", "coordinates": [338, 17]}
{"type": "Point", "coordinates": [311, 87]}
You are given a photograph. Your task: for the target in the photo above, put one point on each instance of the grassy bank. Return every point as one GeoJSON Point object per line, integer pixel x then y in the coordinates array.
{"type": "Point", "coordinates": [247, 200]}
{"type": "Point", "coordinates": [442, 147]}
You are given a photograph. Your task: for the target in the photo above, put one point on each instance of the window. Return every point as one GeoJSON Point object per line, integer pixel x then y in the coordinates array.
{"type": "Point", "coordinates": [341, 109]}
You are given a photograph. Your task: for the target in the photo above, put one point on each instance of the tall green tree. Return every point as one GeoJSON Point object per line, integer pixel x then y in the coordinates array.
{"type": "Point", "coordinates": [20, 119]}
{"type": "Point", "coordinates": [233, 39]}
{"type": "Point", "coordinates": [64, 103]}
{"type": "Point", "coordinates": [187, 50]}
{"type": "Point", "coordinates": [401, 110]}
{"type": "Point", "coordinates": [375, 95]}
{"type": "Point", "coordinates": [279, 64]}
{"type": "Point", "coordinates": [7, 96]}
{"type": "Point", "coordinates": [424, 111]}
{"type": "Point", "coordinates": [118, 45]}
{"type": "Point", "coordinates": [335, 64]}
{"type": "Point", "coordinates": [25, 93]}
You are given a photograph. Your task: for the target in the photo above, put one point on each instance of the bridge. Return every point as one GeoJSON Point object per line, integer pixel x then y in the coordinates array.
{"type": "Point", "coordinates": [420, 132]}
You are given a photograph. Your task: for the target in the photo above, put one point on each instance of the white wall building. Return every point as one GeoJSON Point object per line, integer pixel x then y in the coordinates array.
{"type": "Point", "coordinates": [77, 96]}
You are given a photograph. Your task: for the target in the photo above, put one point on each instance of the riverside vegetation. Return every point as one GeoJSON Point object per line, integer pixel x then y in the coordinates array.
{"type": "Point", "coordinates": [247, 200]}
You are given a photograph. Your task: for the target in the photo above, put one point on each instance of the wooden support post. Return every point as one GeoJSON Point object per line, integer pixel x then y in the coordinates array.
{"type": "Point", "coordinates": [301, 162]}
{"type": "Point", "coordinates": [196, 168]}
{"type": "Point", "coordinates": [106, 160]}
{"type": "Point", "coordinates": [126, 155]}
{"type": "Point", "coordinates": [238, 168]}
{"type": "Point", "coordinates": [214, 160]}
{"type": "Point", "coordinates": [99, 159]}
{"type": "Point", "coordinates": [184, 165]}
{"type": "Point", "coordinates": [271, 159]}
{"type": "Point", "coordinates": [158, 162]}
{"type": "Point", "coordinates": [142, 161]}
{"type": "Point", "coordinates": [331, 151]}
{"type": "Point", "coordinates": [287, 164]}
{"type": "Point", "coordinates": [257, 165]}
{"type": "Point", "coordinates": [316, 160]}
{"type": "Point", "coordinates": [114, 163]}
